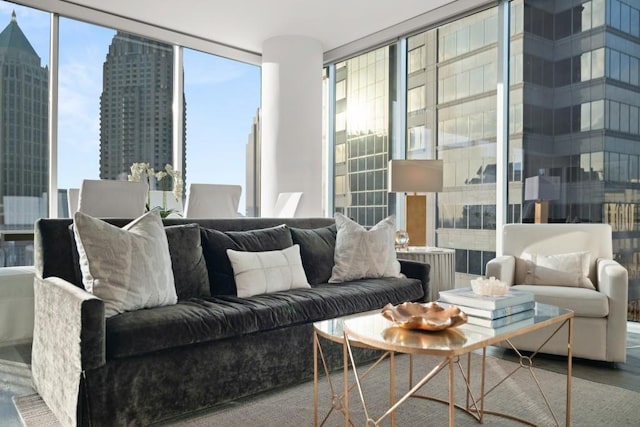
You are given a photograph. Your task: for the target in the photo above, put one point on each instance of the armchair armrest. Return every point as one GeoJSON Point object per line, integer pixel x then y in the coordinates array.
{"type": "Point", "coordinates": [68, 338]}
{"type": "Point", "coordinates": [502, 268]}
{"type": "Point", "coordinates": [417, 270]}
{"type": "Point", "coordinates": [613, 282]}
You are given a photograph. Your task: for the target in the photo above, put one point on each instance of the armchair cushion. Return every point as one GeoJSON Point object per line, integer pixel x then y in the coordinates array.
{"type": "Point", "coordinates": [584, 302]}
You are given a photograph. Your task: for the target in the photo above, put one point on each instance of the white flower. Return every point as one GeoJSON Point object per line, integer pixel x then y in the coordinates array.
{"type": "Point", "coordinates": [140, 169]}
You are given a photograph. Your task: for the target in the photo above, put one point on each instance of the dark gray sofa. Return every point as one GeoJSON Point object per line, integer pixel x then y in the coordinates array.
{"type": "Point", "coordinates": [141, 367]}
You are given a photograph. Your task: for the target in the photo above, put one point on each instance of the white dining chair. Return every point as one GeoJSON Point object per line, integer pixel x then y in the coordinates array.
{"type": "Point", "coordinates": [287, 205]}
{"type": "Point", "coordinates": [212, 201]}
{"type": "Point", "coordinates": [73, 194]}
{"type": "Point", "coordinates": [112, 199]}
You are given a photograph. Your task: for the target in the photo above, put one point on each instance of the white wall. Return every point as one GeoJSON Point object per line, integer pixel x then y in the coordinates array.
{"type": "Point", "coordinates": [292, 122]}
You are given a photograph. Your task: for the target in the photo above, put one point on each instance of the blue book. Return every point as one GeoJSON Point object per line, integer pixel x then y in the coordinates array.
{"type": "Point", "coordinates": [493, 314]}
{"type": "Point", "coordinates": [466, 297]}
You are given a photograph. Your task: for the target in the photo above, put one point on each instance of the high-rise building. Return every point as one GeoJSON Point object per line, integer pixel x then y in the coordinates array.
{"type": "Point", "coordinates": [136, 106]}
{"type": "Point", "coordinates": [574, 109]}
{"type": "Point", "coordinates": [23, 129]}
{"type": "Point", "coordinates": [363, 135]}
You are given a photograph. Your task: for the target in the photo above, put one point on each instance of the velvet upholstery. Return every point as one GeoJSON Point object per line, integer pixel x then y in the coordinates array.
{"type": "Point", "coordinates": [209, 319]}
{"type": "Point", "coordinates": [187, 261]}
{"type": "Point", "coordinates": [150, 365]}
{"type": "Point", "coordinates": [316, 250]}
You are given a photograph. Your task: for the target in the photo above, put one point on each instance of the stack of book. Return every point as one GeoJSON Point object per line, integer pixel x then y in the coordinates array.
{"type": "Point", "coordinates": [492, 314]}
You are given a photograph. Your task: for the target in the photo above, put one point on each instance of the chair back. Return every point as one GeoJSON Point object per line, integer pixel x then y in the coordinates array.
{"type": "Point", "coordinates": [112, 199]}
{"type": "Point", "coordinates": [287, 205]}
{"type": "Point", "coordinates": [73, 195]}
{"type": "Point", "coordinates": [212, 201]}
{"type": "Point", "coordinates": [551, 239]}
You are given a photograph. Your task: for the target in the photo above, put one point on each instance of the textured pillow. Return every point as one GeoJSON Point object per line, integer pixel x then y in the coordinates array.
{"type": "Point", "coordinates": [189, 268]}
{"type": "Point", "coordinates": [568, 269]}
{"type": "Point", "coordinates": [271, 271]}
{"type": "Point", "coordinates": [128, 268]}
{"type": "Point", "coordinates": [215, 244]}
{"type": "Point", "coordinates": [363, 254]}
{"type": "Point", "coordinates": [317, 246]}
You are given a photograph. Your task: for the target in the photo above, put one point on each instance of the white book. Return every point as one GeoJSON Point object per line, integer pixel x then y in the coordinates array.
{"type": "Point", "coordinates": [494, 332]}
{"type": "Point", "coordinates": [466, 297]}
{"type": "Point", "coordinates": [493, 314]}
{"type": "Point", "coordinates": [500, 321]}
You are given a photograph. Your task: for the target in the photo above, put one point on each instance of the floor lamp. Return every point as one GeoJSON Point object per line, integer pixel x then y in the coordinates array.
{"type": "Point", "coordinates": [542, 189]}
{"type": "Point", "coordinates": [415, 176]}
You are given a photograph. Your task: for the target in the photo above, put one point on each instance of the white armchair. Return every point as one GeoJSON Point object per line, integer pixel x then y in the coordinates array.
{"type": "Point", "coordinates": [600, 315]}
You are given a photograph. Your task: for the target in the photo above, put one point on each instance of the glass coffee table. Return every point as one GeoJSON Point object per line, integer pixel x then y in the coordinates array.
{"type": "Point", "coordinates": [372, 330]}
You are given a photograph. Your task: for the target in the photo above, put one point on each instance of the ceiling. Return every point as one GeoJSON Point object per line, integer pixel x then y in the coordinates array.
{"type": "Point", "coordinates": [246, 24]}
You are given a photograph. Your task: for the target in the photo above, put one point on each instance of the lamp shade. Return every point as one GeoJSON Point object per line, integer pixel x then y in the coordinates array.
{"type": "Point", "coordinates": [542, 188]}
{"type": "Point", "coordinates": [415, 176]}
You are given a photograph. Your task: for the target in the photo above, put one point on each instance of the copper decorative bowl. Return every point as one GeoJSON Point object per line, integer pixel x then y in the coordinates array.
{"type": "Point", "coordinates": [427, 317]}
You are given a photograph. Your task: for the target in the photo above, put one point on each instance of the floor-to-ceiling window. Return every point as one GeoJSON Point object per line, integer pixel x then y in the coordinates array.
{"type": "Point", "coordinates": [573, 119]}
{"type": "Point", "coordinates": [364, 90]}
{"type": "Point", "coordinates": [575, 83]}
{"type": "Point", "coordinates": [451, 115]}
{"type": "Point", "coordinates": [221, 105]}
{"type": "Point", "coordinates": [114, 107]}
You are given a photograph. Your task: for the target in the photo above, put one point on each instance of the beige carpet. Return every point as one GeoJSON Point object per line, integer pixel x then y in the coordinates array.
{"type": "Point", "coordinates": [592, 404]}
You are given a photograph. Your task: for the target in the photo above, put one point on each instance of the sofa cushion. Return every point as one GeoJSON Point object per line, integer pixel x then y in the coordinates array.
{"type": "Point", "coordinates": [213, 318]}
{"type": "Point", "coordinates": [187, 261]}
{"type": "Point", "coordinates": [215, 244]}
{"type": "Point", "coordinates": [362, 253]}
{"type": "Point", "coordinates": [268, 271]}
{"type": "Point", "coordinates": [584, 302]}
{"type": "Point", "coordinates": [317, 247]}
{"type": "Point", "coordinates": [128, 268]}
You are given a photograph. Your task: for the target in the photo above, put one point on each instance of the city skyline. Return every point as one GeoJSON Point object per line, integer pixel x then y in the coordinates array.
{"type": "Point", "coordinates": [222, 94]}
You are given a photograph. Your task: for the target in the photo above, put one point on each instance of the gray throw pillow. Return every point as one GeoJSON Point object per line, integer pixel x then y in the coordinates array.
{"type": "Point", "coordinates": [317, 246]}
{"type": "Point", "coordinates": [189, 267]}
{"type": "Point", "coordinates": [362, 253]}
{"type": "Point", "coordinates": [215, 244]}
{"type": "Point", "coordinates": [128, 268]}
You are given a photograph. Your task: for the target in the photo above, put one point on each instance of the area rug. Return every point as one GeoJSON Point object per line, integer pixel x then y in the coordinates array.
{"type": "Point", "coordinates": [592, 404]}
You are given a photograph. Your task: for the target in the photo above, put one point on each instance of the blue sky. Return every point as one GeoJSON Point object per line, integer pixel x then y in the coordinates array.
{"type": "Point", "coordinates": [222, 98]}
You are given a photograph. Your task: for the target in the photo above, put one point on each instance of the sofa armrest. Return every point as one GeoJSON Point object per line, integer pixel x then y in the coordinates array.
{"type": "Point", "coordinates": [502, 268]}
{"type": "Point", "coordinates": [68, 338]}
{"type": "Point", "coordinates": [417, 270]}
{"type": "Point", "coordinates": [613, 282]}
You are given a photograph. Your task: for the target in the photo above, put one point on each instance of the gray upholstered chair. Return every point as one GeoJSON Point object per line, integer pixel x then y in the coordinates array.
{"type": "Point", "coordinates": [600, 314]}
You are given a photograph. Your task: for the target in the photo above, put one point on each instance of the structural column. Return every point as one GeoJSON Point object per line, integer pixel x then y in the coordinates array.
{"type": "Point", "coordinates": [292, 155]}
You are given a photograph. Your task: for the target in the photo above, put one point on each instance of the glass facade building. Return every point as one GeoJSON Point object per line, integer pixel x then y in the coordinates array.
{"type": "Point", "coordinates": [572, 117]}
{"type": "Point", "coordinates": [364, 91]}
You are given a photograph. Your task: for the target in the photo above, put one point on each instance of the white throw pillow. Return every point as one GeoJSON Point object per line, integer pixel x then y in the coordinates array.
{"type": "Point", "coordinates": [568, 269]}
{"type": "Point", "coordinates": [363, 254]}
{"type": "Point", "coordinates": [270, 271]}
{"type": "Point", "coordinates": [129, 268]}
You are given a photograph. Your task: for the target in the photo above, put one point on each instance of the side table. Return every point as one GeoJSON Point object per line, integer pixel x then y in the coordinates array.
{"type": "Point", "coordinates": [442, 262]}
